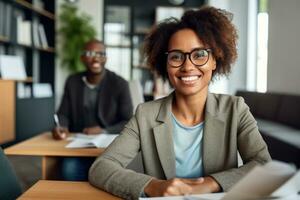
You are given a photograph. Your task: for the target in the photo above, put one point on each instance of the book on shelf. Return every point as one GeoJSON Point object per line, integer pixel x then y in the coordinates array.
{"type": "Point", "coordinates": [42, 35]}
{"type": "Point", "coordinates": [35, 33]}
{"type": "Point", "coordinates": [80, 140]}
{"type": "Point", "coordinates": [12, 67]}
{"type": "Point", "coordinates": [42, 90]}
{"type": "Point", "coordinates": [8, 21]}
{"type": "Point", "coordinates": [19, 21]}
{"type": "Point", "coordinates": [23, 28]}
{"type": "Point", "coordinates": [39, 37]}
{"type": "Point", "coordinates": [26, 30]}
{"type": "Point", "coordinates": [30, 32]}
{"type": "Point", "coordinates": [5, 19]}
{"type": "Point", "coordinates": [2, 19]}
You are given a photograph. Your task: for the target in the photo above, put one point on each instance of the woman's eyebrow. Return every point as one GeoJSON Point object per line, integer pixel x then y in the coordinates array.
{"type": "Point", "coordinates": [202, 47]}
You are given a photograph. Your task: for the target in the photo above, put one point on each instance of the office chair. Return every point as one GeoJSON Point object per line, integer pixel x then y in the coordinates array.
{"type": "Point", "coordinates": [137, 97]}
{"type": "Point", "coordinates": [136, 92]}
{"type": "Point", "coordinates": [9, 184]}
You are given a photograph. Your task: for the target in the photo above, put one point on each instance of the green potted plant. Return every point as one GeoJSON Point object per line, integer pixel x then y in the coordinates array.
{"type": "Point", "coordinates": [75, 30]}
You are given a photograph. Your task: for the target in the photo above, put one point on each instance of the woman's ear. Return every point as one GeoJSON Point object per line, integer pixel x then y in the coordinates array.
{"type": "Point", "coordinates": [214, 64]}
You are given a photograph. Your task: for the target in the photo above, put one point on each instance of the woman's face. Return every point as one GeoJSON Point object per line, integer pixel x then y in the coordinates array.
{"type": "Point", "coordinates": [189, 79]}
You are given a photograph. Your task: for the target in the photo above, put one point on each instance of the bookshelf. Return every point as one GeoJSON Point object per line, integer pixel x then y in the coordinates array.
{"type": "Point", "coordinates": [27, 30]}
{"type": "Point", "coordinates": [126, 24]}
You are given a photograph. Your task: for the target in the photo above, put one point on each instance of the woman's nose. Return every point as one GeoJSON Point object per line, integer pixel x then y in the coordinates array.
{"type": "Point", "coordinates": [187, 65]}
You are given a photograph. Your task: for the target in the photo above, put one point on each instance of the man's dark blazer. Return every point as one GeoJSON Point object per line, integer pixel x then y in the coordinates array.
{"type": "Point", "coordinates": [114, 103]}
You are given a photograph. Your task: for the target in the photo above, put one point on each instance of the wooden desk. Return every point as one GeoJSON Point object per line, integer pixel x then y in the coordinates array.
{"type": "Point", "coordinates": [65, 190]}
{"type": "Point", "coordinates": [83, 190]}
{"type": "Point", "coordinates": [51, 151]}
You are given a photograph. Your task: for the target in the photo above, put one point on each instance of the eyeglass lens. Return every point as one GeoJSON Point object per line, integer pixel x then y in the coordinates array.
{"type": "Point", "coordinates": [198, 57]}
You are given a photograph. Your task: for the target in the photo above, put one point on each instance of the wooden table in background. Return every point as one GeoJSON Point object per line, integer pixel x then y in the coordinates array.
{"type": "Point", "coordinates": [51, 151]}
{"type": "Point", "coordinates": [65, 190]}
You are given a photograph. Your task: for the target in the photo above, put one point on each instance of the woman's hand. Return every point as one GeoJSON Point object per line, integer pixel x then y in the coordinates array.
{"type": "Point", "coordinates": [180, 186]}
{"type": "Point", "coordinates": [60, 133]}
{"type": "Point", "coordinates": [209, 185]}
{"type": "Point", "coordinates": [172, 187]}
{"type": "Point", "coordinates": [92, 130]}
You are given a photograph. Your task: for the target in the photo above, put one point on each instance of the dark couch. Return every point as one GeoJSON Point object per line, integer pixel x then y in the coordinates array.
{"type": "Point", "coordinates": [278, 119]}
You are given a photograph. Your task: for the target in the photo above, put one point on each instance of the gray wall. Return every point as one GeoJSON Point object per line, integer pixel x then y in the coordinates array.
{"type": "Point", "coordinates": [284, 44]}
{"type": "Point", "coordinates": [238, 77]}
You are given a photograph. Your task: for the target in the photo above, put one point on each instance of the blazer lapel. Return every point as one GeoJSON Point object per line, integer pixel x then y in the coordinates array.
{"type": "Point", "coordinates": [213, 136]}
{"type": "Point", "coordinates": [163, 135]}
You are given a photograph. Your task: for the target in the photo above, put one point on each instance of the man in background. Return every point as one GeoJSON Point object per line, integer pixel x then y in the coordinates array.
{"type": "Point", "coordinates": [94, 101]}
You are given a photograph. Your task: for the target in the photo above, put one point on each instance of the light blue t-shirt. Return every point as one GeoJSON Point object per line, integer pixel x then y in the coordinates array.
{"type": "Point", "coordinates": [188, 149]}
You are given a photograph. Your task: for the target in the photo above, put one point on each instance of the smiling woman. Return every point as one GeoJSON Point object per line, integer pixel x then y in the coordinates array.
{"type": "Point", "coordinates": [188, 140]}
{"type": "Point", "coordinates": [189, 76]}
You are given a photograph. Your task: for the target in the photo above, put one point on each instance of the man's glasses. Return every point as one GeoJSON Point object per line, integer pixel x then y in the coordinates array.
{"type": "Point", "coordinates": [93, 54]}
{"type": "Point", "coordinates": [198, 57]}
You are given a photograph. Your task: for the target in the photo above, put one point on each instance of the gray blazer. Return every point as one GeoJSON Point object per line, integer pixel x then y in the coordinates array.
{"type": "Point", "coordinates": [228, 127]}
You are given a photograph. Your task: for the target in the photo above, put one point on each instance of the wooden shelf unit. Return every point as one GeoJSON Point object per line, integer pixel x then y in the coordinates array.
{"type": "Point", "coordinates": [39, 61]}
{"type": "Point", "coordinates": [29, 6]}
{"type": "Point", "coordinates": [7, 111]}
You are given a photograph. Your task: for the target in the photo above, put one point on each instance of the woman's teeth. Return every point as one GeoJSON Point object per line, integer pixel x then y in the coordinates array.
{"type": "Point", "coordinates": [189, 78]}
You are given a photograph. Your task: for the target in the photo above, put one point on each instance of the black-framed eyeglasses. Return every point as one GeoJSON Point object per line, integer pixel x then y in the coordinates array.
{"type": "Point", "coordinates": [198, 57]}
{"type": "Point", "coordinates": [93, 54]}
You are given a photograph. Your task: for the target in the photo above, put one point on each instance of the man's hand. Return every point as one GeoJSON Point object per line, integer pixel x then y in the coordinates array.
{"type": "Point", "coordinates": [92, 130]}
{"type": "Point", "coordinates": [172, 187]}
{"type": "Point", "coordinates": [60, 133]}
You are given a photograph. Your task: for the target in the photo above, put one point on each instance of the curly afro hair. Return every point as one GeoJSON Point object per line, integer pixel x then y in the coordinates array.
{"type": "Point", "coordinates": [213, 26]}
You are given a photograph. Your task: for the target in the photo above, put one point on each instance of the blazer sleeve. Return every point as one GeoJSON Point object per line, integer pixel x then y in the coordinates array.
{"type": "Point", "coordinates": [64, 110]}
{"type": "Point", "coordinates": [251, 147]}
{"type": "Point", "coordinates": [125, 109]}
{"type": "Point", "coordinates": [108, 171]}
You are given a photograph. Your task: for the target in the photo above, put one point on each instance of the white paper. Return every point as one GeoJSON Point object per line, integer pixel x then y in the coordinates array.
{"type": "Point", "coordinates": [41, 90]}
{"type": "Point", "coordinates": [273, 180]}
{"type": "Point", "coordinates": [82, 136]}
{"type": "Point", "coordinates": [100, 141]}
{"type": "Point", "coordinates": [12, 67]}
{"type": "Point", "coordinates": [289, 187]}
{"type": "Point", "coordinates": [212, 196]}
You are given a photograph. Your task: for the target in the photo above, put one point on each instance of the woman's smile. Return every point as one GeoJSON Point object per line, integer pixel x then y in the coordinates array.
{"type": "Point", "coordinates": [189, 80]}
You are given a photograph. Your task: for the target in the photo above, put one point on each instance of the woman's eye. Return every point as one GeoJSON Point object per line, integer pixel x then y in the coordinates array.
{"type": "Point", "coordinates": [176, 57]}
{"type": "Point", "coordinates": [199, 54]}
